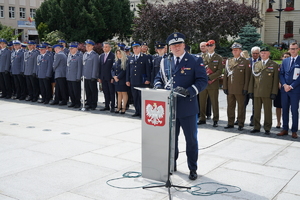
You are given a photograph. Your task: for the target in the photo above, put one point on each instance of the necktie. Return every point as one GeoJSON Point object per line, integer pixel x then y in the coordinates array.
{"type": "Point", "coordinates": [177, 61]}
{"type": "Point", "coordinates": [254, 60]}
{"type": "Point", "coordinates": [136, 57]}
{"type": "Point", "coordinates": [105, 57]}
{"type": "Point", "coordinates": [293, 61]}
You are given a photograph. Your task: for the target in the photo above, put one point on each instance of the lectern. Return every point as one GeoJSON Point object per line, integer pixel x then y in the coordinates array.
{"type": "Point", "coordinates": [158, 133]}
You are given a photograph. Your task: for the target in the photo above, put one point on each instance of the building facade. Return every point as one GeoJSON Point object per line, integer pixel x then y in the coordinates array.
{"type": "Point", "coordinates": [20, 14]}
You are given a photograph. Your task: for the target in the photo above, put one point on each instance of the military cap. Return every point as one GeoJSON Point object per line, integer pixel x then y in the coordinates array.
{"type": "Point", "coordinates": [42, 46]}
{"type": "Point", "coordinates": [46, 43]}
{"type": "Point", "coordinates": [3, 40]}
{"type": "Point", "coordinates": [57, 45]}
{"type": "Point", "coordinates": [73, 45]}
{"type": "Point", "coordinates": [121, 45]}
{"type": "Point", "coordinates": [210, 43]}
{"type": "Point", "coordinates": [61, 41]}
{"type": "Point", "coordinates": [265, 49]}
{"type": "Point", "coordinates": [31, 42]}
{"type": "Point", "coordinates": [135, 43]}
{"type": "Point", "coordinates": [145, 43]}
{"type": "Point", "coordinates": [88, 41]}
{"type": "Point", "coordinates": [175, 38]}
{"type": "Point", "coordinates": [23, 44]}
{"type": "Point", "coordinates": [236, 46]}
{"type": "Point", "coordinates": [16, 42]}
{"type": "Point", "coordinates": [160, 45]}
{"type": "Point", "coordinates": [49, 46]}
{"type": "Point", "coordinates": [10, 44]}
{"type": "Point", "coordinates": [127, 48]}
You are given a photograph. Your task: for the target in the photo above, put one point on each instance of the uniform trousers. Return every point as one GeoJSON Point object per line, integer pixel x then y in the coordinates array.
{"type": "Point", "coordinates": [75, 92]}
{"type": "Point", "coordinates": [5, 84]}
{"type": "Point", "coordinates": [231, 103]}
{"type": "Point", "coordinates": [267, 103]}
{"type": "Point", "coordinates": [32, 86]}
{"type": "Point", "coordinates": [91, 91]}
{"type": "Point", "coordinates": [109, 93]}
{"type": "Point", "coordinates": [20, 85]}
{"type": "Point", "coordinates": [46, 90]}
{"type": "Point", "coordinates": [213, 94]}
{"type": "Point", "coordinates": [136, 94]}
{"type": "Point", "coordinates": [61, 90]}
{"type": "Point", "coordinates": [189, 127]}
{"type": "Point", "coordinates": [290, 100]}
{"type": "Point", "coordinates": [247, 99]}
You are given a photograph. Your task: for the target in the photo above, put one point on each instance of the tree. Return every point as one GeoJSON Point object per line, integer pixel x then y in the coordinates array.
{"type": "Point", "coordinates": [53, 37]}
{"type": "Point", "coordinates": [8, 33]}
{"type": "Point", "coordinates": [200, 20]}
{"type": "Point", "coordinates": [79, 20]}
{"type": "Point", "coordinates": [42, 30]}
{"type": "Point", "coordinates": [249, 37]}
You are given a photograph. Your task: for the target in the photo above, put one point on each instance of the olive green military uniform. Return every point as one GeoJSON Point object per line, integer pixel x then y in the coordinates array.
{"type": "Point", "coordinates": [263, 82]}
{"type": "Point", "coordinates": [215, 65]}
{"type": "Point", "coordinates": [236, 79]}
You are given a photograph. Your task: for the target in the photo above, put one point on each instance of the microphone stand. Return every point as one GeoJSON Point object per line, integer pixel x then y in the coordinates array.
{"type": "Point", "coordinates": [83, 96]}
{"type": "Point", "coordinates": [172, 118]}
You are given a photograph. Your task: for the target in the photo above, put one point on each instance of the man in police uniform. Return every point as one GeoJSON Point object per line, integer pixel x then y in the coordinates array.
{"type": "Point", "coordinates": [263, 87]}
{"type": "Point", "coordinates": [64, 44]}
{"type": "Point", "coordinates": [74, 71]}
{"type": "Point", "coordinates": [160, 47]}
{"type": "Point", "coordinates": [214, 67]}
{"type": "Point", "coordinates": [290, 91]}
{"type": "Point", "coordinates": [189, 78]}
{"type": "Point", "coordinates": [30, 59]}
{"type": "Point", "coordinates": [235, 85]}
{"type": "Point", "coordinates": [91, 73]}
{"type": "Point", "coordinates": [138, 74]}
{"type": "Point", "coordinates": [5, 78]}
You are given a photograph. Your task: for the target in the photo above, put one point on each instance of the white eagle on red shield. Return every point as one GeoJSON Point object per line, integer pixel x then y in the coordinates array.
{"type": "Point", "coordinates": [155, 114]}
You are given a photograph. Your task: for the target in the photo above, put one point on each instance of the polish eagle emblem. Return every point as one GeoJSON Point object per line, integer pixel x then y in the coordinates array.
{"type": "Point", "coordinates": [155, 114]}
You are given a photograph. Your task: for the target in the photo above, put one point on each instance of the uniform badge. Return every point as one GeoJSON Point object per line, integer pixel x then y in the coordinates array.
{"type": "Point", "coordinates": [269, 74]}
{"type": "Point", "coordinates": [185, 59]}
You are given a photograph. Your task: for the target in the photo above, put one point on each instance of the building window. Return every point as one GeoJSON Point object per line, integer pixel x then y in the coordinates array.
{"type": "Point", "coordinates": [290, 3]}
{"type": "Point", "coordinates": [255, 4]}
{"type": "Point", "coordinates": [289, 27]}
{"type": "Point", "coordinates": [11, 12]}
{"type": "Point", "coordinates": [1, 12]}
{"type": "Point", "coordinates": [32, 13]}
{"type": "Point", "coordinates": [22, 13]}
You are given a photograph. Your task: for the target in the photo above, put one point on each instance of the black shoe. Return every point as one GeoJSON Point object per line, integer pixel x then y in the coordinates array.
{"type": "Point", "coordinates": [46, 102]}
{"type": "Point", "coordinates": [215, 124]}
{"type": "Point", "coordinates": [22, 98]}
{"type": "Point", "coordinates": [236, 122]}
{"type": "Point", "coordinates": [112, 110]}
{"type": "Point", "coordinates": [254, 131]}
{"type": "Point", "coordinates": [77, 106]}
{"type": "Point", "coordinates": [41, 101]}
{"type": "Point", "coordinates": [8, 97]}
{"type": "Point", "coordinates": [267, 132]}
{"type": "Point", "coordinates": [228, 126]}
{"type": "Point", "coordinates": [3, 96]}
{"type": "Point", "coordinates": [103, 109]}
{"type": "Point", "coordinates": [72, 105]}
{"type": "Point", "coordinates": [193, 175]}
{"type": "Point", "coordinates": [208, 117]}
{"type": "Point", "coordinates": [201, 122]}
{"type": "Point", "coordinates": [117, 111]}
{"type": "Point", "coordinates": [135, 115]}
{"type": "Point", "coordinates": [34, 100]}
{"type": "Point", "coordinates": [28, 99]}
{"type": "Point", "coordinates": [240, 128]}
{"type": "Point", "coordinates": [62, 103]}
{"type": "Point", "coordinates": [251, 124]}
{"type": "Point", "coordinates": [92, 108]}
{"type": "Point", "coordinates": [54, 103]}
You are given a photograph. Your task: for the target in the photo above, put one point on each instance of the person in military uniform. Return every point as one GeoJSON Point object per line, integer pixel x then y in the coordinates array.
{"type": "Point", "coordinates": [263, 88]}
{"type": "Point", "coordinates": [144, 48]}
{"type": "Point", "coordinates": [127, 50]}
{"type": "Point", "coordinates": [106, 62]}
{"type": "Point", "coordinates": [160, 47]}
{"type": "Point", "coordinates": [64, 44]}
{"type": "Point", "coordinates": [74, 71]}
{"type": "Point", "coordinates": [138, 74]}
{"type": "Point", "coordinates": [90, 72]}
{"type": "Point", "coordinates": [214, 67]}
{"type": "Point", "coordinates": [44, 70]}
{"type": "Point", "coordinates": [5, 78]}
{"type": "Point", "coordinates": [17, 60]}
{"type": "Point", "coordinates": [30, 59]}
{"type": "Point", "coordinates": [189, 78]}
{"type": "Point", "coordinates": [235, 85]}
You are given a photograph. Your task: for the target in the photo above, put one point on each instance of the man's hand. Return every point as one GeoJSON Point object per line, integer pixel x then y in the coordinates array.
{"type": "Point", "coordinates": [147, 82]}
{"type": "Point", "coordinates": [251, 95]}
{"type": "Point", "coordinates": [182, 91]}
{"type": "Point", "coordinates": [99, 80]}
{"type": "Point", "coordinates": [273, 96]}
{"type": "Point", "coordinates": [128, 84]}
{"type": "Point", "coordinates": [287, 88]}
{"type": "Point", "coordinates": [225, 91]}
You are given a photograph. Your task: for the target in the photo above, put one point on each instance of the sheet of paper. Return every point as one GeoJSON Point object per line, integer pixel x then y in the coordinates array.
{"type": "Point", "coordinates": [296, 73]}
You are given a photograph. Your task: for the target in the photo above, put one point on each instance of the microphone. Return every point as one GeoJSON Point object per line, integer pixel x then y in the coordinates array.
{"type": "Point", "coordinates": [170, 55]}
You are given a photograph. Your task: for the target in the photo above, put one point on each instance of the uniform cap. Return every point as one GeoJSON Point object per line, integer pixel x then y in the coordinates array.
{"type": "Point", "coordinates": [9, 44]}
{"type": "Point", "coordinates": [121, 45]}
{"type": "Point", "coordinates": [57, 45]}
{"type": "Point", "coordinates": [46, 44]}
{"type": "Point", "coordinates": [16, 42]}
{"type": "Point", "coordinates": [145, 43]}
{"type": "Point", "coordinates": [160, 45]}
{"type": "Point", "coordinates": [61, 41]}
{"type": "Point", "coordinates": [175, 38]}
{"type": "Point", "coordinates": [127, 48]}
{"type": "Point", "coordinates": [210, 43]}
{"type": "Point", "coordinates": [265, 49]}
{"type": "Point", "coordinates": [31, 42]}
{"type": "Point", "coordinates": [3, 40]}
{"type": "Point", "coordinates": [236, 46]}
{"type": "Point", "coordinates": [23, 45]}
{"type": "Point", "coordinates": [73, 45]}
{"type": "Point", "coordinates": [135, 43]}
{"type": "Point", "coordinates": [88, 41]}
{"type": "Point", "coordinates": [42, 46]}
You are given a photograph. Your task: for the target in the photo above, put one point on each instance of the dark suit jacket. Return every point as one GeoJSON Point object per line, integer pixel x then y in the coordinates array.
{"type": "Point", "coordinates": [138, 71]}
{"type": "Point", "coordinates": [287, 74]}
{"type": "Point", "coordinates": [105, 67]}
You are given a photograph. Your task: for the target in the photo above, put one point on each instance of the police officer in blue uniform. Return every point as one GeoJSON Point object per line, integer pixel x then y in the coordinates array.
{"type": "Point", "coordinates": [91, 74]}
{"type": "Point", "coordinates": [60, 70]}
{"type": "Point", "coordinates": [74, 72]}
{"type": "Point", "coordinates": [189, 78]}
{"type": "Point", "coordinates": [17, 60]}
{"type": "Point", "coordinates": [160, 48]}
{"type": "Point", "coordinates": [138, 74]}
{"type": "Point", "coordinates": [44, 72]}
{"type": "Point", "coordinates": [5, 78]}
{"type": "Point", "coordinates": [30, 59]}
{"type": "Point", "coordinates": [64, 43]}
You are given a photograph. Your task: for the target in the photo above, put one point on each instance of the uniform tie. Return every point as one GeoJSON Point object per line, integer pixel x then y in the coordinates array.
{"type": "Point", "coordinates": [136, 57]}
{"type": "Point", "coordinates": [293, 61]}
{"type": "Point", "coordinates": [177, 61]}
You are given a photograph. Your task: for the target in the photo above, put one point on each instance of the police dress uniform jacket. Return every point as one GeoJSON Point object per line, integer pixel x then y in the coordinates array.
{"type": "Point", "coordinates": [17, 60]}
{"type": "Point", "coordinates": [215, 66]}
{"type": "Point", "coordinates": [264, 79]}
{"type": "Point", "coordinates": [116, 70]}
{"type": "Point", "coordinates": [60, 65]}
{"type": "Point", "coordinates": [30, 59]}
{"type": "Point", "coordinates": [138, 71]}
{"type": "Point", "coordinates": [156, 67]}
{"type": "Point", "coordinates": [105, 67]}
{"type": "Point", "coordinates": [290, 74]}
{"type": "Point", "coordinates": [5, 56]}
{"type": "Point", "coordinates": [66, 51]}
{"type": "Point", "coordinates": [74, 66]}
{"type": "Point", "coordinates": [90, 65]}
{"type": "Point", "coordinates": [237, 75]}
{"type": "Point", "coordinates": [44, 66]}
{"type": "Point", "coordinates": [189, 74]}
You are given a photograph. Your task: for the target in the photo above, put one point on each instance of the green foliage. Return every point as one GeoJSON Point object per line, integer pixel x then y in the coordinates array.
{"type": "Point", "coordinates": [275, 54]}
{"type": "Point", "coordinates": [224, 48]}
{"type": "Point", "coordinates": [79, 20]}
{"type": "Point", "coordinates": [249, 37]}
{"type": "Point", "coordinates": [42, 30]}
{"type": "Point", "coordinates": [8, 33]}
{"type": "Point", "coordinates": [53, 37]}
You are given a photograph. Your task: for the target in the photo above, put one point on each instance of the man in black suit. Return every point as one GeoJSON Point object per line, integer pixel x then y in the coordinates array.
{"type": "Point", "coordinates": [106, 63]}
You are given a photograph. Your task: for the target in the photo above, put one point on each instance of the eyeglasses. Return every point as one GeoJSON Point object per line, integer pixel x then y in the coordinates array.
{"type": "Point", "coordinates": [293, 48]}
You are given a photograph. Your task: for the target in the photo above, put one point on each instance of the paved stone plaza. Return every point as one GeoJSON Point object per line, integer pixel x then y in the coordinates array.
{"type": "Point", "coordinates": [57, 153]}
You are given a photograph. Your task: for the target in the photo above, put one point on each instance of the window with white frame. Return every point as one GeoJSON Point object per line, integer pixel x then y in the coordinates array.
{"type": "Point", "coordinates": [22, 13]}
{"type": "Point", "coordinates": [32, 13]}
{"type": "Point", "coordinates": [1, 12]}
{"type": "Point", "coordinates": [11, 12]}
